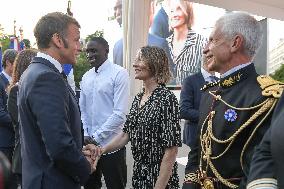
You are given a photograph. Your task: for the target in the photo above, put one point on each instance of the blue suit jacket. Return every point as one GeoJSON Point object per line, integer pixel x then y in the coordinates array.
{"type": "Point", "coordinates": [51, 130]}
{"type": "Point", "coordinates": [152, 41]}
{"type": "Point", "coordinates": [189, 106]}
{"type": "Point", "coordinates": [160, 25]}
{"type": "Point", "coordinates": [6, 127]}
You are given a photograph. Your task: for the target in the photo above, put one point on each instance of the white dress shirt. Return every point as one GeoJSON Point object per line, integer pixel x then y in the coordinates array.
{"type": "Point", "coordinates": [9, 78]}
{"type": "Point", "coordinates": [70, 76]}
{"type": "Point", "coordinates": [234, 69]}
{"type": "Point", "coordinates": [50, 59]}
{"type": "Point", "coordinates": [208, 76]}
{"type": "Point", "coordinates": [104, 101]}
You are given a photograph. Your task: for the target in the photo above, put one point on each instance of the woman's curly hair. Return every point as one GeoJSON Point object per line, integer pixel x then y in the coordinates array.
{"type": "Point", "coordinates": [21, 63]}
{"type": "Point", "coordinates": [158, 63]}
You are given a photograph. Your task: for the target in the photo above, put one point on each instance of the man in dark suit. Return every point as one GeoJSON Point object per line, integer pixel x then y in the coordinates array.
{"type": "Point", "coordinates": [160, 25]}
{"type": "Point", "coordinates": [7, 140]}
{"type": "Point", "coordinates": [49, 116]}
{"type": "Point", "coordinates": [267, 167]}
{"type": "Point", "coordinates": [152, 41]}
{"type": "Point", "coordinates": [189, 102]}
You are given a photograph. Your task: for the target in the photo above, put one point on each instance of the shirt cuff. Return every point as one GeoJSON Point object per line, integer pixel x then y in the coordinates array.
{"type": "Point", "coordinates": [264, 183]}
{"type": "Point", "coordinates": [96, 137]}
{"type": "Point", "coordinates": [85, 132]}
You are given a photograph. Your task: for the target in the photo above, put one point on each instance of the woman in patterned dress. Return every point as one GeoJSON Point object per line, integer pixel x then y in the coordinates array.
{"type": "Point", "coordinates": [152, 125]}
{"type": "Point", "coordinates": [186, 45]}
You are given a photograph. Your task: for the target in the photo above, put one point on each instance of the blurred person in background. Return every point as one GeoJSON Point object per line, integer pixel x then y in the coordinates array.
{"type": "Point", "coordinates": [5, 172]}
{"type": "Point", "coordinates": [190, 96]}
{"type": "Point", "coordinates": [160, 25]}
{"type": "Point", "coordinates": [21, 63]}
{"type": "Point", "coordinates": [152, 41]}
{"type": "Point", "coordinates": [7, 140]}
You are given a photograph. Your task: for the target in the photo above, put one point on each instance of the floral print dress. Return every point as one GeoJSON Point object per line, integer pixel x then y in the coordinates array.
{"type": "Point", "coordinates": [152, 128]}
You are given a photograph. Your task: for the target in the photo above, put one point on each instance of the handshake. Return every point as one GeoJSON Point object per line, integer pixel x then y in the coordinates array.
{"type": "Point", "coordinates": [92, 152]}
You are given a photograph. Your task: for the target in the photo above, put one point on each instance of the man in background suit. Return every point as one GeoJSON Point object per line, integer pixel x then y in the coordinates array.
{"type": "Point", "coordinates": [7, 140]}
{"type": "Point", "coordinates": [49, 116]}
{"type": "Point", "coordinates": [152, 41]}
{"type": "Point", "coordinates": [189, 102]}
{"type": "Point", "coordinates": [160, 25]}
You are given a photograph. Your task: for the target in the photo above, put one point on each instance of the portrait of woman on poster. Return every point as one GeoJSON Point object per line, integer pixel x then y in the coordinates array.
{"type": "Point", "coordinates": [186, 45]}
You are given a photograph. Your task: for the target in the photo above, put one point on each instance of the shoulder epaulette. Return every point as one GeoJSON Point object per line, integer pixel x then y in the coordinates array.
{"type": "Point", "coordinates": [270, 87]}
{"type": "Point", "coordinates": [208, 85]}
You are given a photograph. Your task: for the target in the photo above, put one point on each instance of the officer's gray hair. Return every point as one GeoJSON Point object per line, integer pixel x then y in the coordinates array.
{"type": "Point", "coordinates": [241, 23]}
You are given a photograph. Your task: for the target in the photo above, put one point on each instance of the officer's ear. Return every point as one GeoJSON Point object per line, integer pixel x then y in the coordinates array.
{"type": "Point", "coordinates": [237, 43]}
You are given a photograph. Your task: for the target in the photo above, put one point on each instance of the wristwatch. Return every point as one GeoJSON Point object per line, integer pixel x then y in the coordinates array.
{"type": "Point", "coordinates": [95, 142]}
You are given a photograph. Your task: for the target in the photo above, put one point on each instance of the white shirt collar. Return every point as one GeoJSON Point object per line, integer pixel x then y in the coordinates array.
{"type": "Point", "coordinates": [7, 76]}
{"type": "Point", "coordinates": [234, 69]}
{"type": "Point", "coordinates": [206, 75]}
{"type": "Point", "coordinates": [103, 66]}
{"type": "Point", "coordinates": [51, 59]}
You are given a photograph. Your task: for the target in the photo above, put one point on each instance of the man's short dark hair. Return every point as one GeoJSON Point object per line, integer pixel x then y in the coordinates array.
{"type": "Point", "coordinates": [10, 55]}
{"type": "Point", "coordinates": [50, 24]}
{"type": "Point", "coordinates": [101, 41]}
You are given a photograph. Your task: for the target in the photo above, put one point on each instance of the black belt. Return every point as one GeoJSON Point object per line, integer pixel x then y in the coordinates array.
{"type": "Point", "coordinates": [208, 181]}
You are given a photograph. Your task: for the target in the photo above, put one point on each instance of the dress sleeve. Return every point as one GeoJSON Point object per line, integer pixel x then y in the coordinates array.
{"type": "Point", "coordinates": [131, 116]}
{"type": "Point", "coordinates": [126, 125]}
{"type": "Point", "coordinates": [170, 124]}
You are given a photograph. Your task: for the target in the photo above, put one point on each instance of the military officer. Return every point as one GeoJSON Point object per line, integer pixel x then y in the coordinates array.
{"type": "Point", "coordinates": [267, 167]}
{"type": "Point", "coordinates": [234, 112]}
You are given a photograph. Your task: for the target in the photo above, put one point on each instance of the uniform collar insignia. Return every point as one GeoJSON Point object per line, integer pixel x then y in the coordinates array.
{"type": "Point", "coordinates": [231, 80]}
{"type": "Point", "coordinates": [237, 76]}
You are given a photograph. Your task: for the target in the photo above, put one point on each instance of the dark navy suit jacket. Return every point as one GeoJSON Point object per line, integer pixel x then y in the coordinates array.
{"type": "Point", "coordinates": [152, 41]}
{"type": "Point", "coordinates": [6, 127]}
{"type": "Point", "coordinates": [267, 162]}
{"type": "Point", "coordinates": [189, 106]}
{"type": "Point", "coordinates": [160, 25]}
{"type": "Point", "coordinates": [51, 130]}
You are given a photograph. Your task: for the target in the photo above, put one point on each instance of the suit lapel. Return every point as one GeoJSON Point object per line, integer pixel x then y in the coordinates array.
{"type": "Point", "coordinates": [40, 60]}
{"type": "Point", "coordinates": [6, 81]}
{"type": "Point", "coordinates": [201, 78]}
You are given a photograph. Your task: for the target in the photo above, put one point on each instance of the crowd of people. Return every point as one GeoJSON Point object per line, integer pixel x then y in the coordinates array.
{"type": "Point", "coordinates": [53, 139]}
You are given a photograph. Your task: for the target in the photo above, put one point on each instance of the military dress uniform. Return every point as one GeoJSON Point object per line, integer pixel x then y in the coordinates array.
{"type": "Point", "coordinates": [234, 115]}
{"type": "Point", "coordinates": [267, 166]}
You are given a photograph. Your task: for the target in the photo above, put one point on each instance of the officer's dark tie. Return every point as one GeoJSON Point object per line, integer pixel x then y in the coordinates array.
{"type": "Point", "coordinates": [213, 78]}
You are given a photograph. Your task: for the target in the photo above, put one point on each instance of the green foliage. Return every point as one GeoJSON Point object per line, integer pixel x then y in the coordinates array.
{"type": "Point", "coordinates": [279, 74]}
{"type": "Point", "coordinates": [98, 33]}
{"type": "Point", "coordinates": [27, 43]}
{"type": "Point", "coordinates": [5, 42]}
{"type": "Point", "coordinates": [80, 68]}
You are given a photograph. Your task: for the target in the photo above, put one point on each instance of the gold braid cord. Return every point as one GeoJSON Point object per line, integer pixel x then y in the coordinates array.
{"type": "Point", "coordinates": [270, 87]}
{"type": "Point", "coordinates": [208, 137]}
{"type": "Point", "coordinates": [191, 177]}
